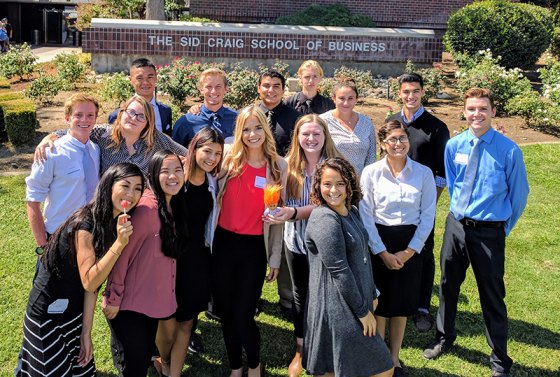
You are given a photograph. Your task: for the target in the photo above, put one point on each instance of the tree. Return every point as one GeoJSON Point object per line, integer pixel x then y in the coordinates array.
{"type": "Point", "coordinates": [155, 10]}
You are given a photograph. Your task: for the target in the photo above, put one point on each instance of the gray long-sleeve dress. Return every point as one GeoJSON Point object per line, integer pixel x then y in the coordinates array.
{"type": "Point", "coordinates": [341, 290]}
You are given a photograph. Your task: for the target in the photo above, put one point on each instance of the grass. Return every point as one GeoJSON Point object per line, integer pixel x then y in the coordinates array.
{"type": "Point", "coordinates": [532, 282]}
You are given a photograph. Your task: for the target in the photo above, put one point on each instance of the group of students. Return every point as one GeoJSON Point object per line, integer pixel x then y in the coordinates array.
{"type": "Point", "coordinates": [172, 225]}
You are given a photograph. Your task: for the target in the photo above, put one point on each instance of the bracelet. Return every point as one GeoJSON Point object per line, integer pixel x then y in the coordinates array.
{"type": "Point", "coordinates": [295, 214]}
{"type": "Point", "coordinates": [114, 252]}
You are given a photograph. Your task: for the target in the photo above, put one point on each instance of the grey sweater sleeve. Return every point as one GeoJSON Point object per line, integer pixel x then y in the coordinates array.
{"type": "Point", "coordinates": [325, 232]}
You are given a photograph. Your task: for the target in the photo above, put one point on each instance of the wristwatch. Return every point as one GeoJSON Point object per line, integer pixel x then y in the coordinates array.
{"type": "Point", "coordinates": [39, 250]}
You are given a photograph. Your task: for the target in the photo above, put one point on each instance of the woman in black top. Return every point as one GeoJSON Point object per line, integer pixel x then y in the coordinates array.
{"type": "Point", "coordinates": [193, 266]}
{"type": "Point", "coordinates": [79, 256]}
{"type": "Point", "coordinates": [309, 101]}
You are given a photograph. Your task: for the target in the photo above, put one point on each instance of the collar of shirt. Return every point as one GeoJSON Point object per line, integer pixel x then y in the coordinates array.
{"type": "Point", "coordinates": [208, 113]}
{"type": "Point", "coordinates": [277, 110]}
{"type": "Point", "coordinates": [486, 137]}
{"type": "Point", "coordinates": [415, 116]}
{"type": "Point", "coordinates": [407, 168]}
{"type": "Point", "coordinates": [157, 116]}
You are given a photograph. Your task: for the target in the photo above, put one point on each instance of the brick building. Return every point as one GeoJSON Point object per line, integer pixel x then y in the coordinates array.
{"type": "Point", "coordinates": [431, 14]}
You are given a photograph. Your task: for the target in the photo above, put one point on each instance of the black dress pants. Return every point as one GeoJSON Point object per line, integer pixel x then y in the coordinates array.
{"type": "Point", "coordinates": [299, 271]}
{"type": "Point", "coordinates": [484, 249]}
{"type": "Point", "coordinates": [132, 342]}
{"type": "Point", "coordinates": [238, 273]}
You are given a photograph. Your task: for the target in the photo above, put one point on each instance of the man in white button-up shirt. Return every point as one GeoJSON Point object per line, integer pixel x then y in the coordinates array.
{"type": "Point", "coordinates": [61, 181]}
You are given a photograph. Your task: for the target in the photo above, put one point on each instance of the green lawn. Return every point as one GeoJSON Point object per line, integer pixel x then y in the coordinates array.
{"type": "Point", "coordinates": [532, 280]}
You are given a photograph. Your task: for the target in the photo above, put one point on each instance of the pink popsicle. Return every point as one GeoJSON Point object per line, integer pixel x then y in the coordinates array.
{"type": "Point", "coordinates": [124, 204]}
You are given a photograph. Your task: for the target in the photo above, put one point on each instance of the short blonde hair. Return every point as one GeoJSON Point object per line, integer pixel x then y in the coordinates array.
{"type": "Point", "coordinates": [78, 98]}
{"type": "Point", "coordinates": [212, 72]}
{"type": "Point", "coordinates": [310, 64]}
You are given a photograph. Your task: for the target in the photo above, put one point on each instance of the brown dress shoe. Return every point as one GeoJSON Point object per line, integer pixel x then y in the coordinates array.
{"type": "Point", "coordinates": [294, 370]}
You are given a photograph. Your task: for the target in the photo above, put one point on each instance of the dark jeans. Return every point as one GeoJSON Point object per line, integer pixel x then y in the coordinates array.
{"type": "Point", "coordinates": [299, 271]}
{"type": "Point", "coordinates": [484, 249]}
{"type": "Point", "coordinates": [238, 272]}
{"type": "Point", "coordinates": [132, 342]}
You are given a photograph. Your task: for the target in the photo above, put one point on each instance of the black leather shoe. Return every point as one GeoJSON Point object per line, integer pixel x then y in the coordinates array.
{"type": "Point", "coordinates": [423, 321]}
{"type": "Point", "coordinates": [195, 344]}
{"type": "Point", "coordinates": [437, 348]}
{"type": "Point", "coordinates": [399, 372]}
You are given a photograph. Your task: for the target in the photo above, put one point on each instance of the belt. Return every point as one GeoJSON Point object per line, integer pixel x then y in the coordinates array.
{"type": "Point", "coordinates": [481, 224]}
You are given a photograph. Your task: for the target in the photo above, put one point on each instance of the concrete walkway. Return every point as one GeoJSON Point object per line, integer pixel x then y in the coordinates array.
{"type": "Point", "coordinates": [46, 54]}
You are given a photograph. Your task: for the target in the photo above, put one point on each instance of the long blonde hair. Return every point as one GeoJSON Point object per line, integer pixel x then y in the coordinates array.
{"type": "Point", "coordinates": [148, 133]}
{"type": "Point", "coordinates": [237, 156]}
{"type": "Point", "coordinates": [296, 159]}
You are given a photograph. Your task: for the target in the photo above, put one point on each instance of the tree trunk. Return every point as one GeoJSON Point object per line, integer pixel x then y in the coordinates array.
{"type": "Point", "coordinates": [154, 10]}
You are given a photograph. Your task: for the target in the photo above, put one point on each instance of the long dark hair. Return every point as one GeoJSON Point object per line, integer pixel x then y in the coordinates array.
{"type": "Point", "coordinates": [174, 232]}
{"type": "Point", "coordinates": [99, 211]}
{"type": "Point", "coordinates": [205, 136]}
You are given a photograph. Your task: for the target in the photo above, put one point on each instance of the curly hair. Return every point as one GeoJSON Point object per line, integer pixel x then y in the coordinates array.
{"type": "Point", "coordinates": [349, 176]}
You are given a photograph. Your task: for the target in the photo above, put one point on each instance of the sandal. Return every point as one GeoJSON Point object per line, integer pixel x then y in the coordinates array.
{"type": "Point", "coordinates": [158, 366]}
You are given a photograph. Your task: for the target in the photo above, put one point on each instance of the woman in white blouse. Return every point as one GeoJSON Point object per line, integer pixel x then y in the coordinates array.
{"type": "Point", "coordinates": [398, 210]}
{"type": "Point", "coordinates": [353, 133]}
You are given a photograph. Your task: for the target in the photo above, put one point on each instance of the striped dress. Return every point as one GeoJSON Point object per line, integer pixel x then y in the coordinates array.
{"type": "Point", "coordinates": [51, 341]}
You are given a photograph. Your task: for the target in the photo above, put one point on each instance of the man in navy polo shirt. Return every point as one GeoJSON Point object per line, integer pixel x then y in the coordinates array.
{"type": "Point", "coordinates": [213, 86]}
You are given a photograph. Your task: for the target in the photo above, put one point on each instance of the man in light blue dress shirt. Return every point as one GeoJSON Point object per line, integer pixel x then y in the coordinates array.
{"type": "Point", "coordinates": [487, 182]}
{"type": "Point", "coordinates": [66, 180]}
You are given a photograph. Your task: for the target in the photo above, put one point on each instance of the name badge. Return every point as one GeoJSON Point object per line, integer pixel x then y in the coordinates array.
{"type": "Point", "coordinates": [260, 182]}
{"type": "Point", "coordinates": [58, 307]}
{"type": "Point", "coordinates": [461, 158]}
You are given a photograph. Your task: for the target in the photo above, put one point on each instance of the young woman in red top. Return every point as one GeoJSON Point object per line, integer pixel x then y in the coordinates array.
{"type": "Point", "coordinates": [243, 242]}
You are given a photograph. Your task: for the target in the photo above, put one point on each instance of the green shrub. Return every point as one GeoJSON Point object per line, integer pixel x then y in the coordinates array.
{"type": "Point", "coordinates": [190, 18]}
{"type": "Point", "coordinates": [363, 79]}
{"type": "Point", "coordinates": [504, 83]}
{"type": "Point", "coordinates": [242, 87]}
{"type": "Point", "coordinates": [519, 33]}
{"type": "Point", "coordinates": [20, 120]}
{"type": "Point", "coordinates": [18, 61]}
{"type": "Point", "coordinates": [116, 87]}
{"type": "Point", "coordinates": [10, 96]}
{"type": "Point", "coordinates": [326, 15]}
{"type": "Point", "coordinates": [277, 66]}
{"type": "Point", "coordinates": [550, 77]}
{"type": "Point", "coordinates": [4, 83]}
{"type": "Point", "coordinates": [69, 69]}
{"type": "Point", "coordinates": [180, 79]}
{"type": "Point", "coordinates": [44, 89]}
{"type": "Point", "coordinates": [7, 96]}
{"type": "Point", "coordinates": [555, 39]}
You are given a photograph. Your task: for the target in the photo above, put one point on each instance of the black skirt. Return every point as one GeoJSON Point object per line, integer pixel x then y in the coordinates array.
{"type": "Point", "coordinates": [400, 289]}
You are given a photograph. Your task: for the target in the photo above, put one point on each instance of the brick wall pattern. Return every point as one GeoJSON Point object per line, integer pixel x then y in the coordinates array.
{"type": "Point", "coordinates": [342, 46]}
{"type": "Point", "coordinates": [431, 14]}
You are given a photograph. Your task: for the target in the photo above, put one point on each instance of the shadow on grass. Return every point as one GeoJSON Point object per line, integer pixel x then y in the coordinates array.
{"type": "Point", "coordinates": [277, 346]}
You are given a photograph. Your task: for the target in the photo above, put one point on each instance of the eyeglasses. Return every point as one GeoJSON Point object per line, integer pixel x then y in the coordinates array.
{"type": "Point", "coordinates": [403, 139]}
{"type": "Point", "coordinates": [133, 114]}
